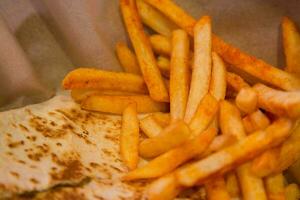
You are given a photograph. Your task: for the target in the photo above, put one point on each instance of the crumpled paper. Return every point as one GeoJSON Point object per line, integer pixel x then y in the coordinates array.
{"type": "Point", "coordinates": [41, 40]}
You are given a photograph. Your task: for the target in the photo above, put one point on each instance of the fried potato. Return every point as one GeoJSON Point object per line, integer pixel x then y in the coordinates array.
{"type": "Point", "coordinates": [291, 45]}
{"type": "Point", "coordinates": [88, 78]}
{"type": "Point", "coordinates": [161, 45]}
{"type": "Point", "coordinates": [255, 121]}
{"type": "Point", "coordinates": [216, 189]}
{"type": "Point", "coordinates": [246, 100]}
{"type": "Point", "coordinates": [294, 171]}
{"type": "Point", "coordinates": [179, 74]}
{"type": "Point", "coordinates": [201, 74]}
{"type": "Point", "coordinates": [163, 64]}
{"type": "Point", "coordinates": [155, 19]}
{"type": "Point", "coordinates": [172, 136]}
{"type": "Point", "coordinates": [170, 160]}
{"type": "Point", "coordinates": [143, 50]}
{"type": "Point", "coordinates": [127, 59]}
{"type": "Point", "coordinates": [150, 126]}
{"type": "Point", "coordinates": [232, 185]}
{"type": "Point", "coordinates": [204, 115]}
{"type": "Point", "coordinates": [116, 104]}
{"type": "Point", "coordinates": [219, 142]}
{"type": "Point", "coordinates": [129, 139]}
{"type": "Point", "coordinates": [292, 192]}
{"type": "Point", "coordinates": [275, 187]}
{"type": "Point", "coordinates": [242, 151]}
{"type": "Point", "coordinates": [235, 81]}
{"type": "Point", "coordinates": [278, 102]}
{"type": "Point", "coordinates": [162, 118]}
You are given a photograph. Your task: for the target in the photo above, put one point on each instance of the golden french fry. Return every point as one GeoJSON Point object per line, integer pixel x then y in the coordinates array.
{"type": "Point", "coordinates": [205, 113]}
{"type": "Point", "coordinates": [179, 74]}
{"type": "Point", "coordinates": [161, 45]}
{"type": "Point", "coordinates": [235, 81]}
{"type": "Point", "coordinates": [278, 102]}
{"type": "Point", "coordinates": [155, 19]}
{"type": "Point", "coordinates": [172, 136]}
{"type": "Point", "coordinates": [232, 185]}
{"type": "Point", "coordinates": [216, 189]}
{"type": "Point", "coordinates": [230, 54]}
{"type": "Point", "coordinates": [291, 45]}
{"type": "Point", "coordinates": [143, 50]}
{"type": "Point", "coordinates": [292, 192]}
{"type": "Point", "coordinates": [162, 118]}
{"type": "Point", "coordinates": [116, 104]}
{"type": "Point", "coordinates": [242, 151]}
{"type": "Point", "coordinates": [246, 100]}
{"type": "Point", "coordinates": [294, 171]}
{"type": "Point", "coordinates": [170, 160]}
{"type": "Point", "coordinates": [150, 126]}
{"type": "Point", "coordinates": [88, 78]}
{"type": "Point", "coordinates": [201, 74]}
{"type": "Point", "coordinates": [129, 139]}
{"type": "Point", "coordinates": [163, 64]}
{"type": "Point", "coordinates": [127, 59]}
{"type": "Point", "coordinates": [275, 187]}
{"type": "Point", "coordinates": [220, 141]}
{"type": "Point", "coordinates": [255, 121]}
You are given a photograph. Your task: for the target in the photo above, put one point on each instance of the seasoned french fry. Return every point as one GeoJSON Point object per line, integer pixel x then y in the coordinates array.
{"type": "Point", "coordinates": [230, 54]}
{"type": "Point", "coordinates": [235, 81]}
{"type": "Point", "coordinates": [150, 126]}
{"type": "Point", "coordinates": [205, 113]}
{"type": "Point", "coordinates": [291, 45]}
{"type": "Point", "coordinates": [246, 100]}
{"type": "Point", "coordinates": [255, 121]}
{"type": "Point", "coordinates": [161, 45]}
{"type": "Point", "coordinates": [116, 104]}
{"type": "Point", "coordinates": [172, 136]}
{"type": "Point", "coordinates": [292, 192]}
{"type": "Point", "coordinates": [242, 151]}
{"type": "Point", "coordinates": [216, 189]}
{"type": "Point", "coordinates": [129, 140]}
{"type": "Point", "coordinates": [127, 59]}
{"type": "Point", "coordinates": [170, 160]}
{"type": "Point", "coordinates": [278, 102]}
{"type": "Point", "coordinates": [143, 50]}
{"type": "Point", "coordinates": [87, 78]}
{"type": "Point", "coordinates": [201, 74]}
{"type": "Point", "coordinates": [155, 19]}
{"type": "Point", "coordinates": [163, 64]}
{"type": "Point", "coordinates": [275, 187]}
{"type": "Point", "coordinates": [232, 185]}
{"type": "Point", "coordinates": [179, 74]}
{"type": "Point", "coordinates": [162, 118]}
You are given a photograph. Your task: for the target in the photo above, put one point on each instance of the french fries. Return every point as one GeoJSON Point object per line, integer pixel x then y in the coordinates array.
{"type": "Point", "coordinates": [172, 136]}
{"type": "Point", "coordinates": [163, 64]}
{"type": "Point", "coordinates": [275, 187]}
{"type": "Point", "coordinates": [170, 160]}
{"type": "Point", "coordinates": [88, 78]}
{"type": "Point", "coordinates": [162, 118]}
{"type": "Point", "coordinates": [150, 126]}
{"type": "Point", "coordinates": [216, 189]}
{"type": "Point", "coordinates": [201, 74]}
{"type": "Point", "coordinates": [235, 81]}
{"type": "Point", "coordinates": [116, 104]}
{"type": "Point", "coordinates": [129, 140]}
{"type": "Point", "coordinates": [246, 100]}
{"type": "Point", "coordinates": [179, 74]}
{"type": "Point", "coordinates": [294, 171]}
{"type": "Point", "coordinates": [161, 45]}
{"type": "Point", "coordinates": [143, 50]}
{"type": "Point", "coordinates": [292, 192]}
{"type": "Point", "coordinates": [291, 45]}
{"type": "Point", "coordinates": [242, 151]}
{"type": "Point", "coordinates": [154, 19]}
{"type": "Point", "coordinates": [278, 102]}
{"type": "Point", "coordinates": [232, 185]}
{"type": "Point", "coordinates": [255, 121]}
{"type": "Point", "coordinates": [127, 59]}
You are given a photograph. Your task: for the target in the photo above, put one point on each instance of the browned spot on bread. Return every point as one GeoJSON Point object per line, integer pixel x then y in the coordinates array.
{"type": "Point", "coordinates": [34, 181]}
{"type": "Point", "coordinates": [24, 128]}
{"type": "Point", "coordinates": [72, 169]}
{"type": "Point", "coordinates": [21, 161]}
{"type": "Point", "coordinates": [15, 174]}
{"type": "Point", "coordinates": [15, 144]}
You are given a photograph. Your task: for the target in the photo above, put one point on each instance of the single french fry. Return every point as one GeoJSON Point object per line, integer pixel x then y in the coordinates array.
{"type": "Point", "coordinates": [291, 45]}
{"type": "Point", "coordinates": [170, 160]}
{"type": "Point", "coordinates": [232, 185]}
{"type": "Point", "coordinates": [242, 151]}
{"type": "Point", "coordinates": [127, 59]}
{"type": "Point", "coordinates": [255, 121]}
{"type": "Point", "coordinates": [162, 118]}
{"type": "Point", "coordinates": [246, 100]}
{"type": "Point", "coordinates": [155, 19]}
{"type": "Point", "coordinates": [150, 126]}
{"type": "Point", "coordinates": [230, 54]}
{"type": "Point", "coordinates": [275, 187]}
{"type": "Point", "coordinates": [143, 50]}
{"type": "Point", "coordinates": [216, 189]}
{"type": "Point", "coordinates": [179, 74]}
{"type": "Point", "coordinates": [163, 64]}
{"type": "Point", "coordinates": [88, 78]}
{"type": "Point", "coordinates": [205, 113]}
{"type": "Point", "coordinates": [129, 139]}
{"type": "Point", "coordinates": [201, 73]}
{"type": "Point", "coordinates": [292, 192]}
{"type": "Point", "coordinates": [278, 102]}
{"type": "Point", "coordinates": [219, 142]}
{"type": "Point", "coordinates": [161, 45]}
{"type": "Point", "coordinates": [172, 136]}
{"type": "Point", "coordinates": [235, 81]}
{"type": "Point", "coordinates": [116, 104]}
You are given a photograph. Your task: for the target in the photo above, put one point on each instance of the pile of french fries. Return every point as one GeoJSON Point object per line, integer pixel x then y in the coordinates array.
{"type": "Point", "coordinates": [233, 132]}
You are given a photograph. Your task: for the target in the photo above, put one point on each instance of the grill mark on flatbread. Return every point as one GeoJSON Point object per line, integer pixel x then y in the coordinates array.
{"type": "Point", "coordinates": [24, 128]}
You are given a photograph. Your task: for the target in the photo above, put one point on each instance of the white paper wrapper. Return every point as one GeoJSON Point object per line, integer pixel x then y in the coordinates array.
{"type": "Point", "coordinates": [42, 40]}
